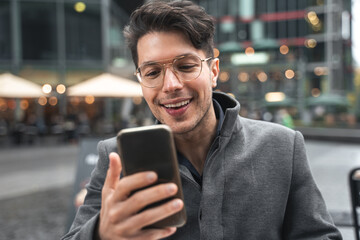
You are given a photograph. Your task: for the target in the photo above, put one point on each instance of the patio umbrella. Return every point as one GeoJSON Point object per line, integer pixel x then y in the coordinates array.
{"type": "Point", "coordinates": [106, 85]}
{"type": "Point", "coordinates": [12, 86]}
{"type": "Point", "coordinates": [329, 100]}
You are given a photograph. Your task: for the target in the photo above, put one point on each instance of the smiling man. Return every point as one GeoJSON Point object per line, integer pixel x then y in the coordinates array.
{"type": "Point", "coordinates": [182, 95]}
{"type": "Point", "coordinates": [241, 179]}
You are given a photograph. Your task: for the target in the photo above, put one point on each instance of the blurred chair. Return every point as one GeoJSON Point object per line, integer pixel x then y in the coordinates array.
{"type": "Point", "coordinates": [87, 160]}
{"type": "Point", "coordinates": [354, 181]}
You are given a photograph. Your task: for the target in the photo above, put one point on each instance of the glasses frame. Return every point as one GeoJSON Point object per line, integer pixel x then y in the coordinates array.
{"type": "Point", "coordinates": [137, 73]}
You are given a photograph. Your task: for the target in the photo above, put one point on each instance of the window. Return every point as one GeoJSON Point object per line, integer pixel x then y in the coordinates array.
{"type": "Point", "coordinates": [270, 30]}
{"type": "Point", "coordinates": [291, 29]}
{"type": "Point", "coordinates": [281, 5]}
{"type": "Point", "coordinates": [5, 33]}
{"type": "Point", "coordinates": [38, 25]}
{"type": "Point", "coordinates": [291, 5]}
{"type": "Point", "coordinates": [83, 32]}
{"type": "Point", "coordinates": [260, 7]}
{"type": "Point", "coordinates": [316, 54]}
{"type": "Point", "coordinates": [303, 28]}
{"type": "Point", "coordinates": [271, 6]}
{"type": "Point", "coordinates": [281, 29]}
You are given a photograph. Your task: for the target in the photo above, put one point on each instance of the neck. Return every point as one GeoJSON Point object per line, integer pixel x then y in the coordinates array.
{"type": "Point", "coordinates": [196, 144]}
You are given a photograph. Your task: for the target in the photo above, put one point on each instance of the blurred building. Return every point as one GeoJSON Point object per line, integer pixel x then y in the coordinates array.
{"type": "Point", "coordinates": [293, 54]}
{"type": "Point", "coordinates": [286, 53]}
{"type": "Point", "coordinates": [61, 43]}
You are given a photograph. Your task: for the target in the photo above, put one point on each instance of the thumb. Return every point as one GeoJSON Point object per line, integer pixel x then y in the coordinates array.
{"type": "Point", "coordinates": [113, 173]}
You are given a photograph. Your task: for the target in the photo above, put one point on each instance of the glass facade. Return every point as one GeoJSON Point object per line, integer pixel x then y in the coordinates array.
{"type": "Point", "coordinates": [5, 33]}
{"type": "Point", "coordinates": [83, 33]}
{"type": "Point", "coordinates": [38, 31]}
{"type": "Point", "coordinates": [58, 34]}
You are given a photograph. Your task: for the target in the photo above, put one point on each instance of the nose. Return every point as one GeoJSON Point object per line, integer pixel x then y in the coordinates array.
{"type": "Point", "coordinates": [171, 82]}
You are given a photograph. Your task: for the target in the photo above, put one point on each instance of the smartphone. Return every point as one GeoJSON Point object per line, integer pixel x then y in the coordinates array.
{"type": "Point", "coordinates": [152, 148]}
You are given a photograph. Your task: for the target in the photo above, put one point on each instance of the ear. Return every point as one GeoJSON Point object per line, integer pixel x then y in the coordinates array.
{"type": "Point", "coordinates": [215, 70]}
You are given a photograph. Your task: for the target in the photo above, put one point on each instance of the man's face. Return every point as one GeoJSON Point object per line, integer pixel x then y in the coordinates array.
{"type": "Point", "coordinates": [182, 105]}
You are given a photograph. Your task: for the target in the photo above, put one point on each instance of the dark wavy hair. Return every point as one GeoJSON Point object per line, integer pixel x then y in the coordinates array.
{"type": "Point", "coordinates": [161, 16]}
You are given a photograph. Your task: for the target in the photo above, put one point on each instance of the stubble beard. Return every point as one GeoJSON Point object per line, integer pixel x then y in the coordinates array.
{"type": "Point", "coordinates": [198, 123]}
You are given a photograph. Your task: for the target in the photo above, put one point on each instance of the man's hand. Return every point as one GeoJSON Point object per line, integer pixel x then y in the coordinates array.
{"type": "Point", "coordinates": [119, 214]}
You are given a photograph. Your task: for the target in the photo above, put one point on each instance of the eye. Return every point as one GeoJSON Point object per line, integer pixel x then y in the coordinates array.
{"type": "Point", "coordinates": [187, 64]}
{"type": "Point", "coordinates": [152, 74]}
{"type": "Point", "coordinates": [186, 67]}
{"type": "Point", "coordinates": [151, 71]}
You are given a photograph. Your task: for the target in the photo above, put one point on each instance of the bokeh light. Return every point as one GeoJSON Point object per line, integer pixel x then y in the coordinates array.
{"type": "Point", "coordinates": [3, 105]}
{"type": "Point", "coordinates": [243, 77]}
{"type": "Point", "coordinates": [75, 101]}
{"type": "Point", "coordinates": [12, 104]}
{"type": "Point", "coordinates": [289, 74]}
{"type": "Point", "coordinates": [216, 53]}
{"type": "Point", "coordinates": [274, 96]}
{"type": "Point", "coordinates": [24, 104]}
{"type": "Point", "coordinates": [61, 88]}
{"type": "Point", "coordinates": [315, 92]}
{"type": "Point", "coordinates": [53, 101]}
{"type": "Point", "coordinates": [249, 51]}
{"type": "Point", "coordinates": [137, 100]}
{"type": "Point", "coordinates": [80, 7]}
{"type": "Point", "coordinates": [42, 101]}
{"type": "Point", "coordinates": [262, 76]}
{"type": "Point", "coordinates": [310, 43]}
{"type": "Point", "coordinates": [320, 71]}
{"type": "Point", "coordinates": [284, 49]}
{"type": "Point", "coordinates": [46, 88]}
{"type": "Point", "coordinates": [89, 99]}
{"type": "Point", "coordinates": [224, 76]}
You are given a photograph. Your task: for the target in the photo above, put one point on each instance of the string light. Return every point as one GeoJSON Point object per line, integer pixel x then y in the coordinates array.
{"type": "Point", "coordinates": [89, 99]}
{"type": "Point", "coordinates": [61, 88]}
{"type": "Point", "coordinates": [46, 88]}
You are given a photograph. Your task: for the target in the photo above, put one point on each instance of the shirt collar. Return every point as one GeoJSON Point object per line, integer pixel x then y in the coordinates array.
{"type": "Point", "coordinates": [219, 116]}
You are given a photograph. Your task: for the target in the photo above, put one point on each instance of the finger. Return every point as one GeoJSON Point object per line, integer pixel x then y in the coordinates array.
{"type": "Point", "coordinates": [146, 197]}
{"type": "Point", "coordinates": [133, 182]}
{"type": "Point", "coordinates": [155, 214]}
{"type": "Point", "coordinates": [155, 233]}
{"type": "Point", "coordinates": [113, 173]}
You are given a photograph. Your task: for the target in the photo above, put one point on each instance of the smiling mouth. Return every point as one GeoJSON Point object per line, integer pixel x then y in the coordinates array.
{"type": "Point", "coordinates": [177, 105]}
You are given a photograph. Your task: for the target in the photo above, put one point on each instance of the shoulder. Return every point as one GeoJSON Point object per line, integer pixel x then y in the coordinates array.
{"type": "Point", "coordinates": [107, 145]}
{"type": "Point", "coordinates": [268, 134]}
{"type": "Point", "coordinates": [104, 148]}
{"type": "Point", "coordinates": [263, 128]}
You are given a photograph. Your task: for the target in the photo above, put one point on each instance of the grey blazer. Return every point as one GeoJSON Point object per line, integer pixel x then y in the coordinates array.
{"type": "Point", "coordinates": [256, 185]}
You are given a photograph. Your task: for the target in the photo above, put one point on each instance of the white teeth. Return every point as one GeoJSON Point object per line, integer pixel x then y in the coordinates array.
{"type": "Point", "coordinates": [177, 104]}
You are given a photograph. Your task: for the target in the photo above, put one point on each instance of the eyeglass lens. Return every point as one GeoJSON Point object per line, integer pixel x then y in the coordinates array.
{"type": "Point", "coordinates": [186, 68]}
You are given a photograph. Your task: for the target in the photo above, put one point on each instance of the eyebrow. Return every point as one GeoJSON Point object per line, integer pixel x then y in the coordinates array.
{"type": "Point", "coordinates": [165, 60]}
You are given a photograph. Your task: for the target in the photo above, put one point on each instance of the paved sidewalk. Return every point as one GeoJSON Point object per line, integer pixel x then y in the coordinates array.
{"type": "Point", "coordinates": [52, 168]}
{"type": "Point", "coordinates": [331, 163]}
{"type": "Point", "coordinates": [29, 169]}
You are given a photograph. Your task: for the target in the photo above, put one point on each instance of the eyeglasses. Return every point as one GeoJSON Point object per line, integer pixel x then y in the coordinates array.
{"type": "Point", "coordinates": [186, 68]}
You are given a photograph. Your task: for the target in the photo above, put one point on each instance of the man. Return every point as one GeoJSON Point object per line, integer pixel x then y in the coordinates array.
{"type": "Point", "coordinates": [242, 179]}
